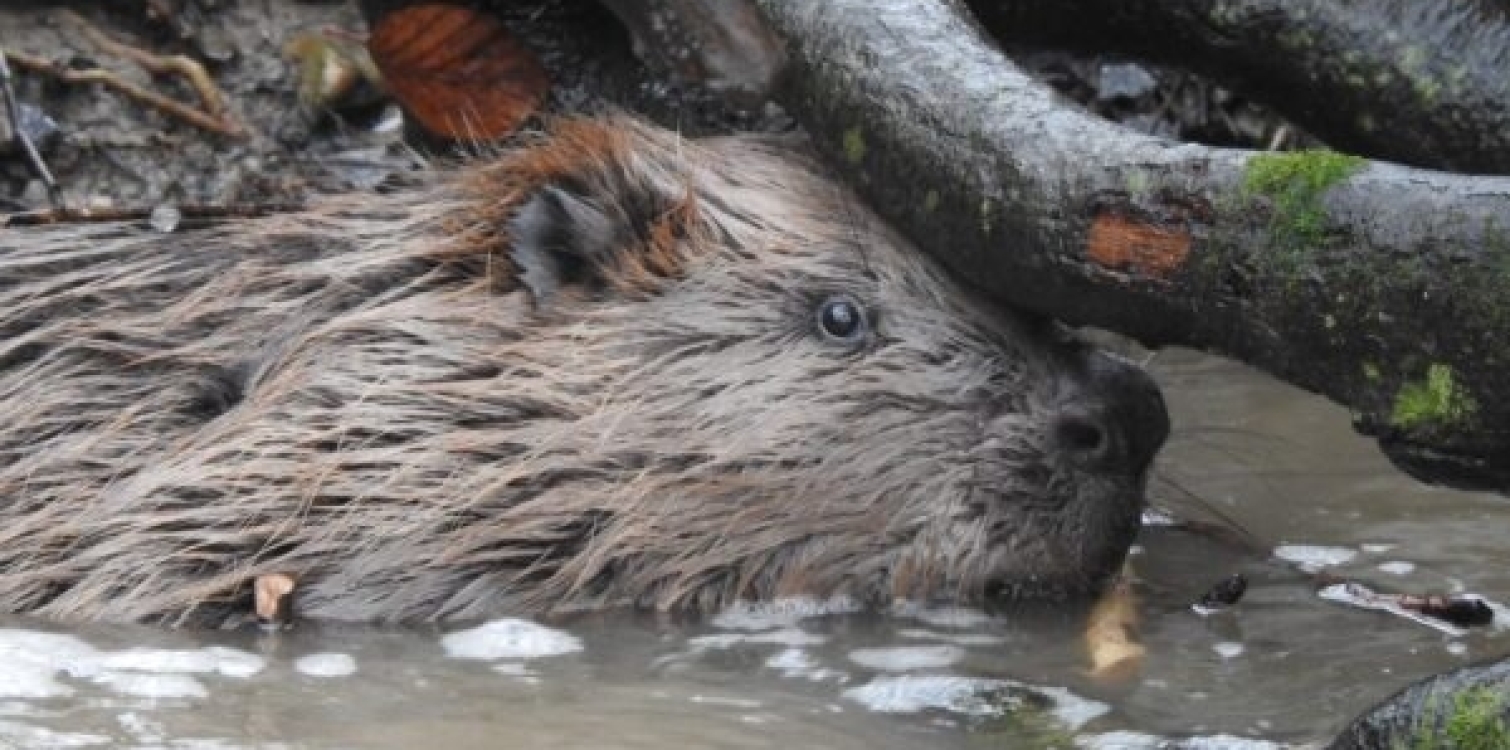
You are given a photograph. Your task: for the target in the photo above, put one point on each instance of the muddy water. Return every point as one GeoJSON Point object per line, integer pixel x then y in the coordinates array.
{"type": "Point", "coordinates": [1284, 668]}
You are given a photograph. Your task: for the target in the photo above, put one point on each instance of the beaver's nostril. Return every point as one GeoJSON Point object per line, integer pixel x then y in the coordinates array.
{"type": "Point", "coordinates": [1081, 435]}
{"type": "Point", "coordinates": [1114, 417]}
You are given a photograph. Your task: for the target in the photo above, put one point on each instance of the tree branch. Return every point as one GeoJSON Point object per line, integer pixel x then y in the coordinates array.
{"type": "Point", "coordinates": [1420, 82]}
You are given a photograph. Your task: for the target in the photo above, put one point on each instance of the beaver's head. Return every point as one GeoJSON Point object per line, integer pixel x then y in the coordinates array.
{"type": "Point", "coordinates": [747, 386]}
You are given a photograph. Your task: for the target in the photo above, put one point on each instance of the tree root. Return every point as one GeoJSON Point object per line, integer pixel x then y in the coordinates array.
{"type": "Point", "coordinates": [212, 115]}
{"type": "Point", "coordinates": [189, 211]}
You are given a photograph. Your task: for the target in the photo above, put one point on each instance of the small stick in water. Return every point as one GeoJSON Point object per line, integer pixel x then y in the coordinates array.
{"type": "Point", "coordinates": [1111, 635]}
{"type": "Point", "coordinates": [18, 132]}
{"type": "Point", "coordinates": [1224, 594]}
{"type": "Point", "coordinates": [274, 599]}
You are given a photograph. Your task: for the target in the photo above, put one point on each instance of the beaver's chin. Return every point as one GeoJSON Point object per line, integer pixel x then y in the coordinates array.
{"type": "Point", "coordinates": [1074, 560]}
{"type": "Point", "coordinates": [1015, 590]}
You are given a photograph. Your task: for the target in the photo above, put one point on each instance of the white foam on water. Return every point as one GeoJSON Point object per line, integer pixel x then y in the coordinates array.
{"type": "Point", "coordinates": [151, 684]}
{"type": "Point", "coordinates": [1376, 548]}
{"type": "Point", "coordinates": [1121, 740]}
{"type": "Point", "coordinates": [326, 665]}
{"type": "Point", "coordinates": [1072, 710]}
{"type": "Point", "coordinates": [509, 638]}
{"type": "Point", "coordinates": [227, 662]}
{"type": "Point", "coordinates": [1125, 740]}
{"type": "Point", "coordinates": [1311, 557]}
{"type": "Point", "coordinates": [141, 729]}
{"type": "Point", "coordinates": [19, 735]}
{"type": "Point", "coordinates": [796, 663]}
{"type": "Point", "coordinates": [1398, 567]}
{"type": "Point", "coordinates": [1228, 649]}
{"type": "Point", "coordinates": [791, 660]}
{"type": "Point", "coordinates": [720, 700]}
{"type": "Point", "coordinates": [783, 637]}
{"type": "Point", "coordinates": [513, 669]}
{"type": "Point", "coordinates": [31, 662]}
{"type": "Point", "coordinates": [780, 613]}
{"type": "Point", "coordinates": [216, 743]}
{"type": "Point", "coordinates": [20, 708]}
{"type": "Point", "coordinates": [1228, 742]}
{"type": "Point", "coordinates": [907, 658]}
{"type": "Point", "coordinates": [22, 680]}
{"type": "Point", "coordinates": [960, 639]}
{"type": "Point", "coordinates": [911, 693]}
{"type": "Point", "coordinates": [971, 696]}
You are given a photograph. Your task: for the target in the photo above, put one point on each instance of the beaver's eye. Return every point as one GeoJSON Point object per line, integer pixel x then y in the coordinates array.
{"type": "Point", "coordinates": [841, 320]}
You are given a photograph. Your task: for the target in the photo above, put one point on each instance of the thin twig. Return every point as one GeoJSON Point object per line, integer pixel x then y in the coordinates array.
{"type": "Point", "coordinates": [18, 133]}
{"type": "Point", "coordinates": [96, 215]}
{"type": "Point", "coordinates": [129, 90]}
{"type": "Point", "coordinates": [187, 68]}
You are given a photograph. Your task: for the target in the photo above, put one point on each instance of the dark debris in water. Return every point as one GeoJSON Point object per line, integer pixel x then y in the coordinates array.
{"type": "Point", "coordinates": [1224, 594]}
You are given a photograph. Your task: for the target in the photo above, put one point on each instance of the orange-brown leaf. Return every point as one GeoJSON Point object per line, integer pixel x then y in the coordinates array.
{"type": "Point", "coordinates": [459, 72]}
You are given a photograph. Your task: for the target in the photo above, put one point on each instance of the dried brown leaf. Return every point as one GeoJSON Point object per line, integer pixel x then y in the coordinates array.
{"type": "Point", "coordinates": [457, 71]}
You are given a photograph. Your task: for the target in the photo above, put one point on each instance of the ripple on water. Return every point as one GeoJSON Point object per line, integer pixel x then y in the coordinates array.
{"type": "Point", "coordinates": [326, 665]}
{"type": "Point", "coordinates": [1312, 557]}
{"type": "Point", "coordinates": [13, 734]}
{"type": "Point", "coordinates": [960, 618]}
{"type": "Point", "coordinates": [782, 637]}
{"type": "Point", "coordinates": [798, 664]}
{"type": "Point", "coordinates": [780, 613]}
{"type": "Point", "coordinates": [1141, 741]}
{"type": "Point", "coordinates": [907, 658]}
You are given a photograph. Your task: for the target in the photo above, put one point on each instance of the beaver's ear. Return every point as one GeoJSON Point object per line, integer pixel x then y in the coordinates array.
{"type": "Point", "coordinates": [558, 238]}
{"type": "Point", "coordinates": [599, 236]}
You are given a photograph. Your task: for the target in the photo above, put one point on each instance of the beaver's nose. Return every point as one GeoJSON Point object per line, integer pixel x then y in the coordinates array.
{"type": "Point", "coordinates": [1113, 419]}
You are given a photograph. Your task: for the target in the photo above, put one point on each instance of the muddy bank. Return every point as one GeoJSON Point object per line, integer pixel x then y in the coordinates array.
{"type": "Point", "coordinates": [107, 150]}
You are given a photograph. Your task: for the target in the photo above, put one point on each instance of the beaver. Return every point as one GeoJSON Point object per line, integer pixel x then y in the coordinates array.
{"type": "Point", "coordinates": [605, 367]}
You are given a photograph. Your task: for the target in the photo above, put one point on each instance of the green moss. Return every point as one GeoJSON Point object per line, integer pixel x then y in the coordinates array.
{"type": "Point", "coordinates": [1371, 372]}
{"type": "Point", "coordinates": [931, 201]}
{"type": "Point", "coordinates": [1475, 721]}
{"type": "Point", "coordinates": [1413, 59]}
{"type": "Point", "coordinates": [854, 145]}
{"type": "Point", "coordinates": [1294, 182]}
{"type": "Point", "coordinates": [1428, 89]}
{"type": "Point", "coordinates": [1438, 400]}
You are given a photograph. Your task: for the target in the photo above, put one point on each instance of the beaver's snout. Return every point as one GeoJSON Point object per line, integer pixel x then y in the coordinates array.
{"type": "Point", "coordinates": [1112, 418]}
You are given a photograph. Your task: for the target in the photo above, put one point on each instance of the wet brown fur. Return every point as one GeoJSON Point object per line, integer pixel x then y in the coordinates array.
{"type": "Point", "coordinates": [363, 395]}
